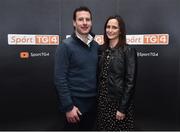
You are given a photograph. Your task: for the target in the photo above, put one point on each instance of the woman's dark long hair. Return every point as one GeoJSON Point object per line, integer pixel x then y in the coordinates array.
{"type": "Point", "coordinates": [122, 36]}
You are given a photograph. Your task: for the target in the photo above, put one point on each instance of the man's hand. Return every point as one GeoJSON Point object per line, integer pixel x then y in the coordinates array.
{"type": "Point", "coordinates": [120, 116]}
{"type": "Point", "coordinates": [73, 115]}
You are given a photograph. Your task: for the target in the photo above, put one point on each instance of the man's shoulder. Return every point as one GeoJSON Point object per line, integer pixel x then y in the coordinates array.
{"type": "Point", "coordinates": [68, 41]}
{"type": "Point", "coordinates": [95, 44]}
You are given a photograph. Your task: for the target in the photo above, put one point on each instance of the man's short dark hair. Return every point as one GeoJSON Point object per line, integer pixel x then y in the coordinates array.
{"type": "Point", "coordinates": [82, 8]}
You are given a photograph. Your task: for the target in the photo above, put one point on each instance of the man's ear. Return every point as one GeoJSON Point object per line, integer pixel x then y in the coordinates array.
{"type": "Point", "coordinates": [74, 23]}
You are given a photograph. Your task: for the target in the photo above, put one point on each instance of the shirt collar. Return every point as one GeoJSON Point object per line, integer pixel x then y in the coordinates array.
{"type": "Point", "coordinates": [89, 38]}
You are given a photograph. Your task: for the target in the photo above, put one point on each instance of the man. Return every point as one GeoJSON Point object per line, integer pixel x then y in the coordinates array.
{"type": "Point", "coordinates": [76, 73]}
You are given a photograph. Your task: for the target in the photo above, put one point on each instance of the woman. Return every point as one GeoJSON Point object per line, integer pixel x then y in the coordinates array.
{"type": "Point", "coordinates": [117, 71]}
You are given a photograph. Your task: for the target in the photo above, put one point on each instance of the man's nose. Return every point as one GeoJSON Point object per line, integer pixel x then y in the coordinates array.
{"type": "Point", "coordinates": [84, 21]}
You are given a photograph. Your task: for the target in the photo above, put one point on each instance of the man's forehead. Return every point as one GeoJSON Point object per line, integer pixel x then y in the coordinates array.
{"type": "Point", "coordinates": [82, 13]}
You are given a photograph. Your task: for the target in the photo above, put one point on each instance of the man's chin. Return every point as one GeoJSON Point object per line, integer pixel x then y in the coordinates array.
{"type": "Point", "coordinates": [84, 33]}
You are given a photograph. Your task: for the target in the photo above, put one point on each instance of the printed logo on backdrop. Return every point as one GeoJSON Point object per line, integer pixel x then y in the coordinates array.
{"type": "Point", "coordinates": [144, 39]}
{"type": "Point", "coordinates": [148, 39]}
{"type": "Point", "coordinates": [24, 55]}
{"type": "Point", "coordinates": [27, 55]}
{"type": "Point", "coordinates": [24, 39]}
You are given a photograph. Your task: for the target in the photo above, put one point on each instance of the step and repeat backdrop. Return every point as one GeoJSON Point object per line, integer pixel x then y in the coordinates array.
{"type": "Point", "coordinates": [30, 31]}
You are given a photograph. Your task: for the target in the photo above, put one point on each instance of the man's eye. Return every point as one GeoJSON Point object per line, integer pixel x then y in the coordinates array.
{"type": "Point", "coordinates": [87, 19]}
{"type": "Point", "coordinates": [80, 19]}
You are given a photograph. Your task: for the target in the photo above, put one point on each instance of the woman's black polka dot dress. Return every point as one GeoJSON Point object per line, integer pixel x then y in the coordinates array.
{"type": "Point", "coordinates": [107, 108]}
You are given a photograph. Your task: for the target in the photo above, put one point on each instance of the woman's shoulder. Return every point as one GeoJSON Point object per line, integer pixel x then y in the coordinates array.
{"type": "Point", "coordinates": [128, 48]}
